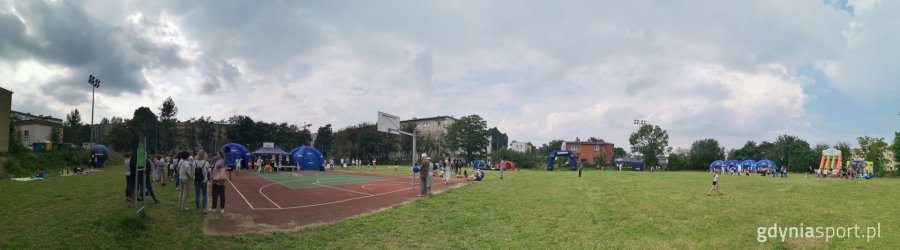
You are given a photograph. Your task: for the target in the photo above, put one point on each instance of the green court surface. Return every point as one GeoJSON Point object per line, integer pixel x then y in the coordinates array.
{"type": "Point", "coordinates": [298, 180]}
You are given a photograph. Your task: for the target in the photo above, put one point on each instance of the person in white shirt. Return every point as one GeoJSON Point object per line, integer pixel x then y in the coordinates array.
{"type": "Point", "coordinates": [715, 184]}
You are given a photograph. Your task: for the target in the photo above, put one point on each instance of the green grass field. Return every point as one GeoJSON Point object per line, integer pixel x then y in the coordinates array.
{"type": "Point", "coordinates": [528, 209]}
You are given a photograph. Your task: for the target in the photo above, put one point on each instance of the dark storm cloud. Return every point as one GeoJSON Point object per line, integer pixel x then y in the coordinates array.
{"type": "Point", "coordinates": [63, 33]}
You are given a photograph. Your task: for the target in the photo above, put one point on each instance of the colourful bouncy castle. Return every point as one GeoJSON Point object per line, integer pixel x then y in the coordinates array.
{"type": "Point", "coordinates": [831, 159]}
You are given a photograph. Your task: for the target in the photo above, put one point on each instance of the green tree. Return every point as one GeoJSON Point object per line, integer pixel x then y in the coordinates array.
{"type": "Point", "coordinates": [895, 148]}
{"type": "Point", "coordinates": [167, 132]}
{"type": "Point", "coordinates": [792, 152]}
{"type": "Point", "coordinates": [469, 136]}
{"type": "Point", "coordinates": [119, 137]}
{"type": "Point", "coordinates": [619, 153]}
{"type": "Point", "coordinates": [748, 152]}
{"type": "Point", "coordinates": [873, 149]}
{"type": "Point", "coordinates": [145, 121]}
{"type": "Point", "coordinates": [844, 147]}
{"type": "Point", "coordinates": [500, 140]}
{"type": "Point", "coordinates": [325, 141]}
{"type": "Point", "coordinates": [703, 152]}
{"type": "Point", "coordinates": [677, 161]}
{"type": "Point", "coordinates": [72, 128]}
{"type": "Point", "coordinates": [650, 141]}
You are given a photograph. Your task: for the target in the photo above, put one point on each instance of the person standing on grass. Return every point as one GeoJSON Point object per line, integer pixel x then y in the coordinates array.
{"type": "Point", "coordinates": [715, 184]}
{"type": "Point", "coordinates": [424, 167]}
{"type": "Point", "coordinates": [184, 174]}
{"type": "Point", "coordinates": [218, 184]}
{"type": "Point", "coordinates": [201, 172]}
{"type": "Point", "coordinates": [129, 182]}
{"type": "Point", "coordinates": [148, 184]}
{"type": "Point", "coordinates": [164, 169]}
{"type": "Point", "coordinates": [502, 168]}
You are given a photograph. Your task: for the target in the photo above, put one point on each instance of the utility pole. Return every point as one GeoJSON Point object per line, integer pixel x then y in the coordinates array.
{"type": "Point", "coordinates": [95, 82]}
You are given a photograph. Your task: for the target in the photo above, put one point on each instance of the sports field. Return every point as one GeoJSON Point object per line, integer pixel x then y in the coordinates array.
{"type": "Point", "coordinates": [297, 180]}
{"type": "Point", "coordinates": [528, 209]}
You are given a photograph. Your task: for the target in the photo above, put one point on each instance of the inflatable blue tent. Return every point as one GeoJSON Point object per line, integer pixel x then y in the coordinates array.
{"type": "Point", "coordinates": [232, 151]}
{"type": "Point", "coordinates": [100, 153]}
{"type": "Point", "coordinates": [572, 159]}
{"type": "Point", "coordinates": [716, 164]}
{"type": "Point", "coordinates": [748, 164]}
{"type": "Point", "coordinates": [733, 164]}
{"type": "Point", "coordinates": [764, 164]}
{"type": "Point", "coordinates": [308, 158]}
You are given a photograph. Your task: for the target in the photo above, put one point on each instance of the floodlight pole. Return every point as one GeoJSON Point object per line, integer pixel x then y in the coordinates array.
{"type": "Point", "coordinates": [95, 83]}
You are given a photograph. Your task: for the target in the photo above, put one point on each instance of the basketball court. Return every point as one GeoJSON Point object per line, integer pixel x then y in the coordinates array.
{"type": "Point", "coordinates": [289, 200]}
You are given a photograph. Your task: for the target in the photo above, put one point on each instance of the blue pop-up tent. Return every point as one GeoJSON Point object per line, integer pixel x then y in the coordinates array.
{"type": "Point", "coordinates": [748, 164]}
{"type": "Point", "coordinates": [308, 158]}
{"type": "Point", "coordinates": [100, 154]}
{"type": "Point", "coordinates": [764, 164]}
{"type": "Point", "coordinates": [733, 164]}
{"type": "Point", "coordinates": [716, 164]}
{"type": "Point", "coordinates": [635, 163]}
{"type": "Point", "coordinates": [232, 151]}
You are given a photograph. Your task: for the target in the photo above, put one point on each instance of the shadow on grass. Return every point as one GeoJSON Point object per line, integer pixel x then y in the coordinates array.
{"type": "Point", "coordinates": [131, 226]}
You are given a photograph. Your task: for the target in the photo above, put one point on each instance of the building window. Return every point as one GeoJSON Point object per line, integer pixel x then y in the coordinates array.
{"type": "Point", "coordinates": [596, 148]}
{"type": "Point", "coordinates": [25, 137]}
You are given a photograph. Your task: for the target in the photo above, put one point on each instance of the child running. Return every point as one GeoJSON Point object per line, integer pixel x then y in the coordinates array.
{"type": "Point", "coordinates": [715, 184]}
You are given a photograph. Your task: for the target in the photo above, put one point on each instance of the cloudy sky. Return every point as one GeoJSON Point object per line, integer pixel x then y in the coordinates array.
{"type": "Point", "coordinates": [826, 71]}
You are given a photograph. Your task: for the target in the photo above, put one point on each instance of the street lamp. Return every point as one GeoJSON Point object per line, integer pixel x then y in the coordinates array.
{"type": "Point", "coordinates": [95, 82]}
{"type": "Point", "coordinates": [639, 122]}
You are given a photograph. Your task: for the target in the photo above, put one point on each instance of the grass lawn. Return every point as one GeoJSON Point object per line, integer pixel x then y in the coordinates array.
{"type": "Point", "coordinates": [528, 209]}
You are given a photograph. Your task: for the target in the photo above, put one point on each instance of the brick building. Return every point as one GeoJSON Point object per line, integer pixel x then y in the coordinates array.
{"type": "Point", "coordinates": [589, 150]}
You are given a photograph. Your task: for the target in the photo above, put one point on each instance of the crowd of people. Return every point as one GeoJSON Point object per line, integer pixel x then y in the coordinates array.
{"type": "Point", "coordinates": [185, 170]}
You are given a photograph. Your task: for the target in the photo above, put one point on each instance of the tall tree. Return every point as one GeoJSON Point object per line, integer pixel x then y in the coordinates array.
{"type": "Point", "coordinates": [677, 161]}
{"type": "Point", "coordinates": [844, 147]}
{"type": "Point", "coordinates": [72, 128]}
{"type": "Point", "coordinates": [548, 147]}
{"type": "Point", "coordinates": [145, 121]}
{"type": "Point", "coordinates": [167, 132]}
{"type": "Point", "coordinates": [619, 153]}
{"type": "Point", "coordinates": [498, 140]}
{"type": "Point", "coordinates": [325, 140]}
{"type": "Point", "coordinates": [650, 141]}
{"type": "Point", "coordinates": [703, 153]}
{"type": "Point", "coordinates": [873, 149]}
{"type": "Point", "coordinates": [793, 153]}
{"type": "Point", "coordinates": [469, 136]}
{"type": "Point", "coordinates": [119, 137]}
{"type": "Point", "coordinates": [895, 148]}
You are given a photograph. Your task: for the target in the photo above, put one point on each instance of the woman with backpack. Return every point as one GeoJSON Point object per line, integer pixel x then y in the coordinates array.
{"type": "Point", "coordinates": [184, 177]}
{"type": "Point", "coordinates": [218, 183]}
{"type": "Point", "coordinates": [201, 172]}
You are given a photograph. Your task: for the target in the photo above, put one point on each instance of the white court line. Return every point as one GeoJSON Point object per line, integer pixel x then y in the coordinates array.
{"type": "Point", "coordinates": [242, 195]}
{"type": "Point", "coordinates": [266, 196]}
{"type": "Point", "coordinates": [365, 186]}
{"type": "Point", "coordinates": [333, 202]}
{"type": "Point", "coordinates": [342, 189]}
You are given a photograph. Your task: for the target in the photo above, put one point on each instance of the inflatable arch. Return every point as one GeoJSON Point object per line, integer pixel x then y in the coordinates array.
{"type": "Point", "coordinates": [573, 160]}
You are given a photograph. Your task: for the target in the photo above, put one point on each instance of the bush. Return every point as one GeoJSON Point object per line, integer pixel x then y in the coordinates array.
{"type": "Point", "coordinates": [25, 163]}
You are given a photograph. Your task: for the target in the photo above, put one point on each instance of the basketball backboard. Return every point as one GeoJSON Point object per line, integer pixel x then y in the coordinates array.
{"type": "Point", "coordinates": [388, 123]}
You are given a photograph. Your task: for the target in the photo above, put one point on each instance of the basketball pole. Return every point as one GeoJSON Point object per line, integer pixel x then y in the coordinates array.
{"type": "Point", "coordinates": [413, 134]}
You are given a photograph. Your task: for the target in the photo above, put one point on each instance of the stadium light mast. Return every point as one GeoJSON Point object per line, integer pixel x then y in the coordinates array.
{"type": "Point", "coordinates": [95, 83]}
